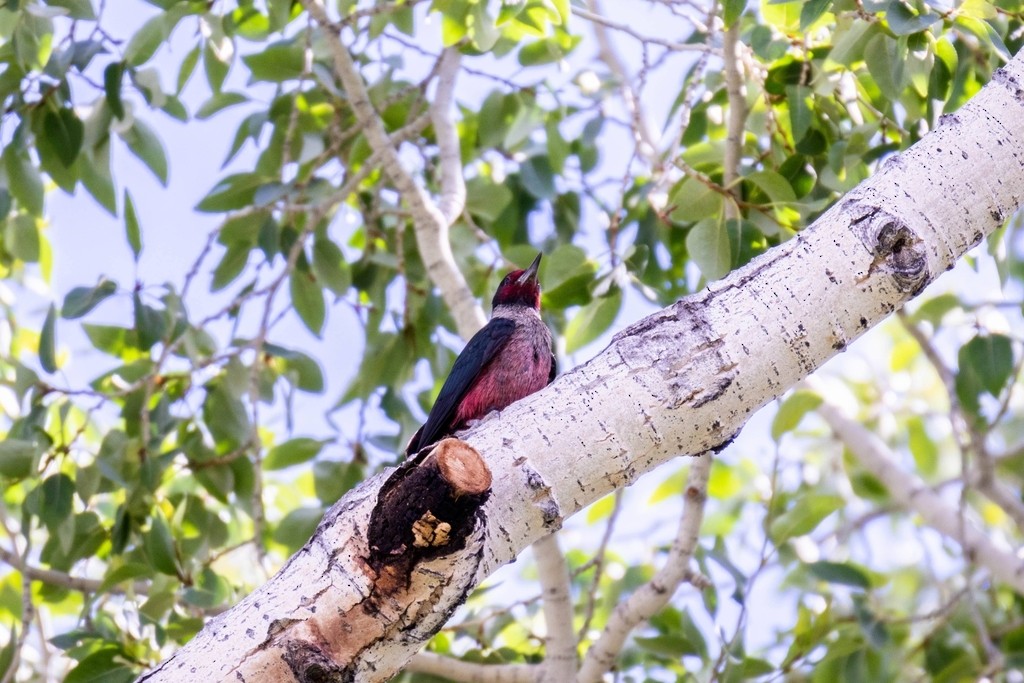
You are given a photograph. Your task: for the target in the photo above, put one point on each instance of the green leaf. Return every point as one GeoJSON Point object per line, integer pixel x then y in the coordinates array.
{"type": "Point", "coordinates": [538, 177]}
{"type": "Point", "coordinates": [293, 452]}
{"type": "Point", "coordinates": [935, 309]}
{"type": "Point", "coordinates": [886, 59]}
{"type": "Point", "coordinates": [233, 192]}
{"type": "Point", "coordinates": [17, 458]}
{"type": "Point", "coordinates": [922, 447]}
{"type": "Point", "coordinates": [131, 226]}
{"type": "Point", "coordinates": [124, 574]}
{"type": "Point", "coordinates": [297, 526]}
{"type": "Point", "coordinates": [81, 300]}
{"type": "Point", "coordinates": [709, 246]}
{"type": "Point", "coordinates": [188, 66]}
{"type": "Point", "coordinates": [218, 102]}
{"type": "Point", "coordinates": [47, 341]}
{"type": "Point", "coordinates": [330, 267]}
{"type": "Point", "coordinates": [102, 666]}
{"type": "Point", "coordinates": [145, 42]}
{"type": "Point", "coordinates": [150, 324]}
{"type": "Point", "coordinates": [986, 364]}
{"type": "Point", "coordinates": [231, 266]}
{"type": "Point", "coordinates": [216, 64]}
{"type": "Point", "coordinates": [160, 546]}
{"type": "Point", "coordinates": [805, 515]}
{"type": "Point", "coordinates": [792, 410]}
{"type": "Point", "coordinates": [801, 111]}
{"type": "Point", "coordinates": [692, 201]}
{"type": "Point", "coordinates": [7, 652]}
{"type": "Point", "coordinates": [903, 21]}
{"type": "Point", "coordinates": [332, 479]}
{"type": "Point", "coordinates": [841, 573]}
{"type": "Point", "coordinates": [33, 42]}
{"type": "Point", "coordinates": [812, 11]}
{"type": "Point", "coordinates": [487, 199]}
{"type": "Point", "coordinates": [145, 144]}
{"type": "Point", "coordinates": [277, 62]}
{"type": "Point", "coordinates": [23, 179]}
{"type": "Point", "coordinates": [732, 10]}
{"type": "Point", "coordinates": [94, 170]}
{"type": "Point", "coordinates": [226, 416]}
{"type": "Point", "coordinates": [298, 368]}
{"type": "Point", "coordinates": [76, 9]}
{"type": "Point", "coordinates": [591, 321]}
{"type": "Point", "coordinates": [57, 493]}
{"type": "Point", "coordinates": [308, 299]}
{"type": "Point", "coordinates": [21, 235]}
{"type": "Point", "coordinates": [65, 132]}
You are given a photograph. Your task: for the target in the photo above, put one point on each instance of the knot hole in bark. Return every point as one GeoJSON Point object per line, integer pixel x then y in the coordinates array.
{"type": "Point", "coordinates": [898, 251]}
{"type": "Point", "coordinates": [425, 510]}
{"type": "Point", "coordinates": [309, 663]}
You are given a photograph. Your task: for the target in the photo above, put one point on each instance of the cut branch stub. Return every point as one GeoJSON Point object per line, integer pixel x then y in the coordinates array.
{"type": "Point", "coordinates": [425, 510]}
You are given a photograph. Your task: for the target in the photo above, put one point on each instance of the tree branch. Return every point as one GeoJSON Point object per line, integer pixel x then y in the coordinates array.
{"type": "Point", "coordinates": [430, 224]}
{"type": "Point", "coordinates": [909, 491]}
{"type": "Point", "coordinates": [453, 183]}
{"type": "Point", "coordinates": [646, 144]}
{"type": "Point", "coordinates": [967, 436]}
{"type": "Point", "coordinates": [471, 672]}
{"type": "Point", "coordinates": [656, 593]}
{"type": "Point", "coordinates": [560, 645]}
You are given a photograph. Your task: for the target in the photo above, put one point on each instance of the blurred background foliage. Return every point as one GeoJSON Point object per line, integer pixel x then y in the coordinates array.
{"type": "Point", "coordinates": [168, 444]}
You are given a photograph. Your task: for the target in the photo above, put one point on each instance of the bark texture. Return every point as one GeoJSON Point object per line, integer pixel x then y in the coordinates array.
{"type": "Point", "coordinates": [680, 382]}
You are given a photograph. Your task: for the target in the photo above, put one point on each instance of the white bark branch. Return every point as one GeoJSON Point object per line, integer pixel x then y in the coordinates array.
{"type": "Point", "coordinates": [910, 492]}
{"type": "Point", "coordinates": [453, 182]}
{"type": "Point", "coordinates": [682, 381]}
{"type": "Point", "coordinates": [560, 645]}
{"type": "Point", "coordinates": [471, 672]}
{"type": "Point", "coordinates": [737, 115]}
{"type": "Point", "coordinates": [655, 594]}
{"type": "Point", "coordinates": [430, 224]}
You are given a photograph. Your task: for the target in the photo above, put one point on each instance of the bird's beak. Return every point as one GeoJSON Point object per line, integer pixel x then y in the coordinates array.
{"type": "Point", "coordinates": [530, 274]}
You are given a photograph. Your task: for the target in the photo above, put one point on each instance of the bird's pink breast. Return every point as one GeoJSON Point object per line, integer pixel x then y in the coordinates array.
{"type": "Point", "coordinates": [519, 370]}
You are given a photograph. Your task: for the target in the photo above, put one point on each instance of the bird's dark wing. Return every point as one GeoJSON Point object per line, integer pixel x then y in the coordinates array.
{"type": "Point", "coordinates": [480, 350]}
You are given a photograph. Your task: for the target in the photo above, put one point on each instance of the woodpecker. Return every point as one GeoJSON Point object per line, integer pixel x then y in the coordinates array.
{"type": "Point", "coordinates": [508, 359]}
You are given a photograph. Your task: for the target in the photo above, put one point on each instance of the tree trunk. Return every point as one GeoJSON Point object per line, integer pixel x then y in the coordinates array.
{"type": "Point", "coordinates": [351, 606]}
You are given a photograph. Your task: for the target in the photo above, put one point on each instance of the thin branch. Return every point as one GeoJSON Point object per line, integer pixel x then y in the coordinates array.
{"type": "Point", "coordinates": [597, 562]}
{"type": "Point", "coordinates": [471, 672]}
{"type": "Point", "coordinates": [20, 562]}
{"type": "Point", "coordinates": [453, 183]}
{"type": "Point", "coordinates": [737, 116]}
{"type": "Point", "coordinates": [910, 492]}
{"type": "Point", "coordinates": [604, 22]}
{"type": "Point", "coordinates": [430, 224]}
{"type": "Point", "coordinates": [967, 436]}
{"type": "Point", "coordinates": [655, 594]}
{"type": "Point", "coordinates": [646, 144]}
{"type": "Point", "coordinates": [560, 647]}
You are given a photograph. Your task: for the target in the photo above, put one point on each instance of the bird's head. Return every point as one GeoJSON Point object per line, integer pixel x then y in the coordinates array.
{"type": "Point", "coordinates": [519, 288]}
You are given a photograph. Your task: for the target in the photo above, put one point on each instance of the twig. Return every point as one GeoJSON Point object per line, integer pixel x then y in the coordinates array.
{"type": "Point", "coordinates": [655, 594]}
{"type": "Point", "coordinates": [910, 492]}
